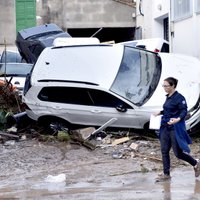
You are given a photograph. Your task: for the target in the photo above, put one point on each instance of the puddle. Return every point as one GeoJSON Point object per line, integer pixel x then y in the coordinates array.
{"type": "Point", "coordinates": [182, 186]}
{"type": "Point", "coordinates": [86, 175]}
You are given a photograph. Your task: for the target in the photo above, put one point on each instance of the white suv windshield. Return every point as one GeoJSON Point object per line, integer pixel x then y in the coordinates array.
{"type": "Point", "coordinates": [138, 75]}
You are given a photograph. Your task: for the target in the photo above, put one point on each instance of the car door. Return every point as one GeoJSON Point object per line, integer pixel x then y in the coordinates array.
{"type": "Point", "coordinates": [107, 106]}
{"type": "Point", "coordinates": [97, 116]}
{"type": "Point", "coordinates": [89, 106]}
{"type": "Point", "coordinates": [95, 107]}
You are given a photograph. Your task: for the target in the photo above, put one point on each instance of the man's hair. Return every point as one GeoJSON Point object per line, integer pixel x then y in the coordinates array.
{"type": "Point", "coordinates": [172, 81]}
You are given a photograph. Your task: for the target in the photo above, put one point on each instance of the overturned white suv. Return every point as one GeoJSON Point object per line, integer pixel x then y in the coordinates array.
{"type": "Point", "coordinates": [98, 83]}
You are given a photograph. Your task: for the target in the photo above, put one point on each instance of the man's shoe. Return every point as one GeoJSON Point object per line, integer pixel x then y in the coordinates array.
{"type": "Point", "coordinates": [197, 169]}
{"type": "Point", "coordinates": [163, 177]}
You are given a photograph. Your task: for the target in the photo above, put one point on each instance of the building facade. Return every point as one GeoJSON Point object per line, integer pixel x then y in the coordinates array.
{"type": "Point", "coordinates": [152, 18]}
{"type": "Point", "coordinates": [106, 19]}
{"type": "Point", "coordinates": [177, 21]}
{"type": "Point", "coordinates": [185, 27]}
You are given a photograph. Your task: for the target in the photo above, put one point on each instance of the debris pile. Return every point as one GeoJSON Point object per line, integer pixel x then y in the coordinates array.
{"type": "Point", "coordinates": [10, 102]}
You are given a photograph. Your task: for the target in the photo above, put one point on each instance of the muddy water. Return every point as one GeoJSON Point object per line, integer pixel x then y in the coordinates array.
{"type": "Point", "coordinates": [135, 186]}
{"type": "Point", "coordinates": [89, 175]}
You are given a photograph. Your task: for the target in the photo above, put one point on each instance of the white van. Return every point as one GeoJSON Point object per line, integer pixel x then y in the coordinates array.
{"type": "Point", "coordinates": [92, 84]}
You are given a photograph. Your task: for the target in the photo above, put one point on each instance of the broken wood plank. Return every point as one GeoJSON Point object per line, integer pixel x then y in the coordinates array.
{"type": "Point", "coordinates": [119, 141]}
{"type": "Point", "coordinates": [9, 135]}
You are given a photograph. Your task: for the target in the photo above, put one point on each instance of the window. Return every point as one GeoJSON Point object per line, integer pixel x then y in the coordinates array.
{"type": "Point", "coordinates": [65, 95]}
{"type": "Point", "coordinates": [10, 56]}
{"type": "Point", "coordinates": [166, 28]}
{"type": "Point", "coordinates": [197, 6]}
{"type": "Point", "coordinates": [138, 75]}
{"type": "Point", "coordinates": [15, 69]}
{"type": "Point", "coordinates": [80, 96]}
{"type": "Point", "coordinates": [181, 9]}
{"type": "Point", "coordinates": [37, 50]}
{"type": "Point", "coordinates": [165, 48]}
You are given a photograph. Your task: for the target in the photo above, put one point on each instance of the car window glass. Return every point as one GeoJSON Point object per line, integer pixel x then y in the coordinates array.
{"type": "Point", "coordinates": [101, 98]}
{"type": "Point", "coordinates": [165, 48]}
{"type": "Point", "coordinates": [37, 50]}
{"type": "Point", "coordinates": [130, 43]}
{"type": "Point", "coordinates": [81, 96]}
{"type": "Point", "coordinates": [65, 95]}
{"type": "Point", "coordinates": [15, 68]}
{"type": "Point", "coordinates": [32, 47]}
{"type": "Point", "coordinates": [138, 75]}
{"type": "Point", "coordinates": [9, 56]}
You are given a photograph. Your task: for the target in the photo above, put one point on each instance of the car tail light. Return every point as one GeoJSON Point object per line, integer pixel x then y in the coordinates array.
{"type": "Point", "coordinates": [156, 50]}
{"type": "Point", "coordinates": [25, 107]}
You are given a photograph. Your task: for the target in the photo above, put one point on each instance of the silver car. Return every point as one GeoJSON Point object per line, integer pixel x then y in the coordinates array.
{"type": "Point", "coordinates": [94, 84]}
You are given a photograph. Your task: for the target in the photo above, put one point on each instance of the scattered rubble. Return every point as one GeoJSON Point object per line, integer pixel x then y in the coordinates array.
{"type": "Point", "coordinates": [118, 144]}
{"type": "Point", "coordinates": [130, 146]}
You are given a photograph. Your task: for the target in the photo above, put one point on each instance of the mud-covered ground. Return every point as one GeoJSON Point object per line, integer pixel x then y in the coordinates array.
{"type": "Point", "coordinates": [31, 169]}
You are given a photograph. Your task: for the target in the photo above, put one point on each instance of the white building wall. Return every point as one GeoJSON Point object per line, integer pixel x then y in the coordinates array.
{"type": "Point", "coordinates": [152, 22]}
{"type": "Point", "coordinates": [160, 11]}
{"type": "Point", "coordinates": [184, 35]}
{"type": "Point", "coordinates": [186, 38]}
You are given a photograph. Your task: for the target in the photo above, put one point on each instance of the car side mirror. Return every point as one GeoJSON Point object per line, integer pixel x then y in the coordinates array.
{"type": "Point", "coordinates": [121, 108]}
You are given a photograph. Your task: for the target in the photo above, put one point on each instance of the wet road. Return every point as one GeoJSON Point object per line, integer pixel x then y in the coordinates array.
{"type": "Point", "coordinates": [182, 186]}
{"type": "Point", "coordinates": [88, 175]}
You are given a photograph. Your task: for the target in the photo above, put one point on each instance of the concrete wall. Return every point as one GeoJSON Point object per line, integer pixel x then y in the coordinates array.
{"type": "Point", "coordinates": [7, 22]}
{"type": "Point", "coordinates": [69, 14]}
{"type": "Point", "coordinates": [85, 13]}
